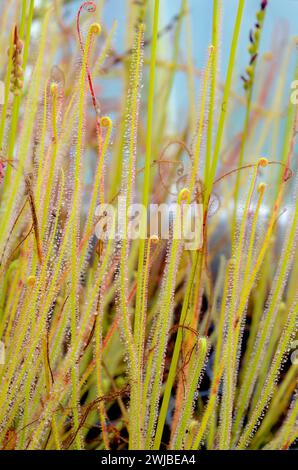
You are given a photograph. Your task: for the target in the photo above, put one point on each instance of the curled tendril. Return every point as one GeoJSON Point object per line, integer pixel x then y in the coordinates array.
{"type": "Point", "coordinates": [91, 8]}
{"type": "Point", "coordinates": [57, 76]}
{"type": "Point", "coordinates": [182, 177]}
{"type": "Point", "coordinates": [287, 175]}
{"type": "Point", "coordinates": [181, 174]}
{"type": "Point", "coordinates": [214, 201]}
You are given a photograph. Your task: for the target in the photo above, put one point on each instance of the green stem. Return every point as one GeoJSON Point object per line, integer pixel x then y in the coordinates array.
{"type": "Point", "coordinates": [222, 118]}
{"type": "Point", "coordinates": [215, 28]}
{"type": "Point", "coordinates": [139, 321]}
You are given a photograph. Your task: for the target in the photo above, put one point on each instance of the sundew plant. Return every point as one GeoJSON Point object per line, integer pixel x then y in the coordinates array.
{"type": "Point", "coordinates": [120, 342]}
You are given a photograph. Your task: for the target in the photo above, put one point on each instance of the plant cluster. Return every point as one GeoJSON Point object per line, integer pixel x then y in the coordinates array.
{"type": "Point", "coordinates": [143, 344]}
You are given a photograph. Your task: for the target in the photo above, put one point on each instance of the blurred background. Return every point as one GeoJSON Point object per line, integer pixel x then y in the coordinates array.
{"type": "Point", "coordinates": [185, 33]}
{"type": "Point", "coordinates": [280, 29]}
{"type": "Point", "coordinates": [281, 19]}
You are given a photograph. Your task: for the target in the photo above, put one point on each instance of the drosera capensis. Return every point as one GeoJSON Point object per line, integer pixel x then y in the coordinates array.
{"type": "Point", "coordinates": [127, 342]}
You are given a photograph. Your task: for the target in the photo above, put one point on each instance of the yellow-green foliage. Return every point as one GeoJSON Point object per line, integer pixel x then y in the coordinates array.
{"type": "Point", "coordinates": [144, 344]}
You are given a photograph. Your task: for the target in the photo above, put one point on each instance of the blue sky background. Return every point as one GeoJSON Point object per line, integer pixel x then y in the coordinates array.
{"type": "Point", "coordinates": [280, 12]}
{"type": "Point", "coordinates": [201, 17]}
